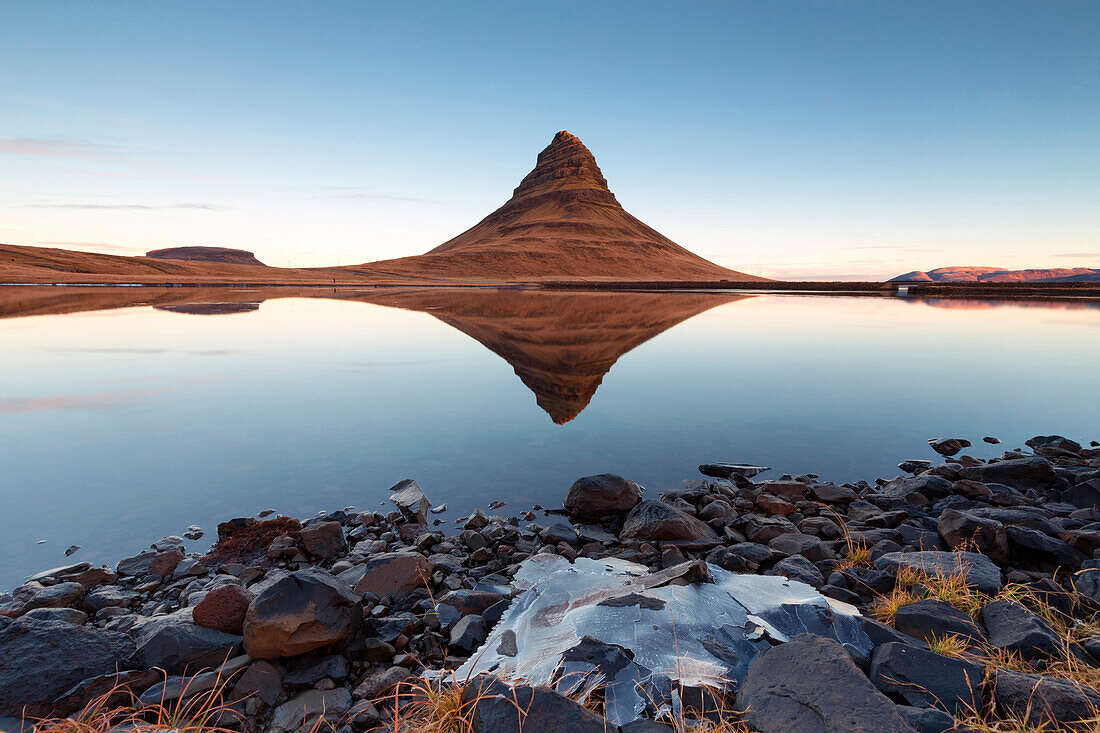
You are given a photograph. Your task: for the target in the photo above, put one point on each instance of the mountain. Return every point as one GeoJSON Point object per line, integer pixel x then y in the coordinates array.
{"type": "Point", "coordinates": [206, 254]}
{"type": "Point", "coordinates": [1000, 275]}
{"type": "Point", "coordinates": [562, 222]}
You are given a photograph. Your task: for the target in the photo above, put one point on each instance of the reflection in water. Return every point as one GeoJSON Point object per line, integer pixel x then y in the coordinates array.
{"type": "Point", "coordinates": [560, 344]}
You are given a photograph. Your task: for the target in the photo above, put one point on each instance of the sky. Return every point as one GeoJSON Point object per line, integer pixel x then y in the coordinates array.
{"type": "Point", "coordinates": [840, 139]}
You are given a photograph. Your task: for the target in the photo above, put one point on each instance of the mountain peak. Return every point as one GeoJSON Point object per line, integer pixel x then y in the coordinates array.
{"type": "Point", "coordinates": [565, 164]}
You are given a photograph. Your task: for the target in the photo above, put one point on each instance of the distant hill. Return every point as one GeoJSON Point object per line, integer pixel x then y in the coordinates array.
{"type": "Point", "coordinates": [561, 222]}
{"type": "Point", "coordinates": [206, 254]}
{"type": "Point", "coordinates": [1000, 275]}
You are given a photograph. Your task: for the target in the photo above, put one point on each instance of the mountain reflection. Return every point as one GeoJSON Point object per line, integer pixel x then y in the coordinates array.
{"type": "Point", "coordinates": [560, 344]}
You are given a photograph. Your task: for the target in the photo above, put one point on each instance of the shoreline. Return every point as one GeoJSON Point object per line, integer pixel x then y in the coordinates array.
{"type": "Point", "coordinates": [386, 596]}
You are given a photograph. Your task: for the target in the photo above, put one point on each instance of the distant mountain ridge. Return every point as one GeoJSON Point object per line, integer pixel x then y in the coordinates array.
{"type": "Point", "coordinates": [562, 222]}
{"type": "Point", "coordinates": [1000, 275]}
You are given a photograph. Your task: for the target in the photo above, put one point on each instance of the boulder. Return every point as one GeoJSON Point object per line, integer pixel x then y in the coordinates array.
{"type": "Point", "coordinates": [603, 495]}
{"type": "Point", "coordinates": [929, 720]}
{"type": "Point", "coordinates": [394, 574]}
{"type": "Point", "coordinates": [948, 446]}
{"type": "Point", "coordinates": [959, 529]}
{"type": "Point", "coordinates": [62, 595]}
{"type": "Point", "coordinates": [729, 470]}
{"type": "Point", "coordinates": [1054, 446]}
{"type": "Point", "coordinates": [324, 540]}
{"type": "Point", "coordinates": [1020, 473]}
{"type": "Point", "coordinates": [410, 499]}
{"type": "Point", "coordinates": [41, 660]}
{"type": "Point", "coordinates": [930, 617]}
{"type": "Point", "coordinates": [499, 708]}
{"type": "Point", "coordinates": [808, 546]}
{"type": "Point", "coordinates": [1030, 547]}
{"type": "Point", "coordinates": [109, 596]}
{"type": "Point", "coordinates": [223, 609]}
{"type": "Point", "coordinates": [151, 562]}
{"type": "Point", "coordinates": [799, 568]}
{"type": "Point", "coordinates": [65, 615]}
{"type": "Point", "coordinates": [928, 486]}
{"type": "Point", "coordinates": [297, 612]}
{"type": "Point", "coordinates": [1014, 628]}
{"type": "Point", "coordinates": [654, 521]}
{"type": "Point", "coordinates": [376, 684]}
{"type": "Point", "coordinates": [811, 685]}
{"type": "Point", "coordinates": [262, 681]}
{"type": "Point", "coordinates": [977, 570]}
{"type": "Point", "coordinates": [467, 635]}
{"type": "Point", "coordinates": [925, 679]}
{"type": "Point", "coordinates": [175, 644]}
{"type": "Point", "coordinates": [1044, 700]}
{"type": "Point", "coordinates": [311, 710]}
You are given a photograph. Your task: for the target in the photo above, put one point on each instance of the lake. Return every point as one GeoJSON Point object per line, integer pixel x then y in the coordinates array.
{"type": "Point", "coordinates": [127, 414]}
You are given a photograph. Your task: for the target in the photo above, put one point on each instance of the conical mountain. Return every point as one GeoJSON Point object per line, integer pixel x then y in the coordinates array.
{"type": "Point", "coordinates": [561, 222]}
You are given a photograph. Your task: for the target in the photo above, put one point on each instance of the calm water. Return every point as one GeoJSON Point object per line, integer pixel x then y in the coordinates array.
{"type": "Point", "coordinates": [129, 414]}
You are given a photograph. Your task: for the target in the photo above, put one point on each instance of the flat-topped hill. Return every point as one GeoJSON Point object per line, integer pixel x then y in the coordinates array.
{"type": "Point", "coordinates": [225, 255]}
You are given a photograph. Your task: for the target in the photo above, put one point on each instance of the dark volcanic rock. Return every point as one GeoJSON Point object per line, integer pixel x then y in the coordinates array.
{"type": "Point", "coordinates": [498, 708]}
{"type": "Point", "coordinates": [977, 570]}
{"type": "Point", "coordinates": [985, 535]}
{"type": "Point", "coordinates": [931, 487]}
{"type": "Point", "coordinates": [603, 495]}
{"type": "Point", "coordinates": [1020, 473]}
{"type": "Point", "coordinates": [655, 520]}
{"type": "Point", "coordinates": [389, 574]}
{"type": "Point", "coordinates": [948, 446]}
{"type": "Point", "coordinates": [41, 660]}
{"type": "Point", "coordinates": [175, 644]}
{"type": "Point", "coordinates": [1014, 628]}
{"type": "Point", "coordinates": [1044, 699]}
{"type": "Point", "coordinates": [811, 685]}
{"type": "Point", "coordinates": [1030, 546]}
{"type": "Point", "coordinates": [294, 613]}
{"type": "Point", "coordinates": [324, 539]}
{"type": "Point", "coordinates": [929, 720]}
{"type": "Point", "coordinates": [926, 679]}
{"type": "Point", "coordinates": [931, 617]}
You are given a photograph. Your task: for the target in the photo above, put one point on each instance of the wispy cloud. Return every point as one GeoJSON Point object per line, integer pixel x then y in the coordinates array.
{"type": "Point", "coordinates": [58, 147]}
{"type": "Point", "coordinates": [367, 194]}
{"type": "Point", "coordinates": [898, 247]}
{"type": "Point", "coordinates": [140, 350]}
{"type": "Point", "coordinates": [1079, 255]}
{"type": "Point", "coordinates": [129, 207]}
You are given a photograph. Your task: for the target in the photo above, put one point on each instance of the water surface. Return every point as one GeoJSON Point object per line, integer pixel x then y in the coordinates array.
{"type": "Point", "coordinates": [129, 414]}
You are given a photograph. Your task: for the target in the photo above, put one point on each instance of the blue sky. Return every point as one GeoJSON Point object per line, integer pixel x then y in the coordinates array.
{"type": "Point", "coordinates": [843, 139]}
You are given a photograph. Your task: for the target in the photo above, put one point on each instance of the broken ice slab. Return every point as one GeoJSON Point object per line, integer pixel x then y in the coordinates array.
{"type": "Point", "coordinates": [410, 499]}
{"type": "Point", "coordinates": [616, 624]}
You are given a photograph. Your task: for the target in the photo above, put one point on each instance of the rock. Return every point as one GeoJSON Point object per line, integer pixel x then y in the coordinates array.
{"type": "Point", "coordinates": [1044, 699]}
{"type": "Point", "coordinates": [467, 635]}
{"type": "Point", "coordinates": [948, 446]}
{"type": "Point", "coordinates": [377, 684]}
{"type": "Point", "coordinates": [930, 617]}
{"type": "Point", "coordinates": [333, 667]}
{"type": "Point", "coordinates": [311, 710]}
{"type": "Point", "coordinates": [1020, 473]}
{"type": "Point", "coordinates": [559, 531]}
{"type": "Point", "coordinates": [388, 574]}
{"type": "Point", "coordinates": [653, 521]}
{"type": "Point", "coordinates": [928, 720]}
{"type": "Point", "coordinates": [65, 615]}
{"type": "Point", "coordinates": [498, 708]}
{"type": "Point", "coordinates": [811, 685]}
{"type": "Point", "coordinates": [959, 529]}
{"type": "Point", "coordinates": [1054, 446]}
{"type": "Point", "coordinates": [324, 540]}
{"type": "Point", "coordinates": [1030, 546]}
{"type": "Point", "coordinates": [176, 645]}
{"type": "Point", "coordinates": [173, 689]}
{"type": "Point", "coordinates": [729, 470]}
{"type": "Point", "coordinates": [62, 595]}
{"type": "Point", "coordinates": [1084, 495]}
{"type": "Point", "coordinates": [41, 660]}
{"type": "Point", "coordinates": [928, 486]}
{"type": "Point", "coordinates": [926, 679]}
{"type": "Point", "coordinates": [411, 501]}
{"type": "Point", "coordinates": [1087, 583]}
{"type": "Point", "coordinates": [262, 680]}
{"type": "Point", "coordinates": [796, 543]}
{"type": "Point", "coordinates": [151, 562]}
{"type": "Point", "coordinates": [1014, 628]}
{"type": "Point", "coordinates": [915, 466]}
{"type": "Point", "coordinates": [978, 571]}
{"type": "Point", "coordinates": [833, 494]}
{"type": "Point", "coordinates": [603, 495]}
{"type": "Point", "coordinates": [223, 609]}
{"type": "Point", "coordinates": [799, 568]}
{"type": "Point", "coordinates": [115, 689]}
{"type": "Point", "coordinates": [294, 613]}
{"type": "Point", "coordinates": [110, 596]}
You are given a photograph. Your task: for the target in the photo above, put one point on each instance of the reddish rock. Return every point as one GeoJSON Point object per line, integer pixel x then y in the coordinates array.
{"type": "Point", "coordinates": [603, 495]}
{"type": "Point", "coordinates": [324, 539]}
{"type": "Point", "coordinates": [223, 609]}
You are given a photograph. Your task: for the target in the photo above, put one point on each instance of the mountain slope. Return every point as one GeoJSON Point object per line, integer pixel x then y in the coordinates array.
{"type": "Point", "coordinates": [999, 275]}
{"type": "Point", "coordinates": [561, 222]}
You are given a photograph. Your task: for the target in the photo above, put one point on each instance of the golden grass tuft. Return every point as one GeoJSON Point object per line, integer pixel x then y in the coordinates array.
{"type": "Point", "coordinates": [950, 645]}
{"type": "Point", "coordinates": [885, 607]}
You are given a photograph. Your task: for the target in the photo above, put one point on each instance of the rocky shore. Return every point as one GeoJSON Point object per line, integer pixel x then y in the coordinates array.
{"type": "Point", "coordinates": [962, 595]}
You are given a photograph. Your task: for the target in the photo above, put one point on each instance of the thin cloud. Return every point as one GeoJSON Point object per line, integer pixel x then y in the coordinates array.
{"type": "Point", "coordinates": [365, 194]}
{"type": "Point", "coordinates": [1079, 255]}
{"type": "Point", "coordinates": [138, 350]}
{"type": "Point", "coordinates": [100, 246]}
{"type": "Point", "coordinates": [56, 147]}
{"type": "Point", "coordinates": [128, 207]}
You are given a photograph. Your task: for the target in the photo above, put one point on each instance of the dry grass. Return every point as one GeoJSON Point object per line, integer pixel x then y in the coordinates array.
{"type": "Point", "coordinates": [201, 713]}
{"type": "Point", "coordinates": [950, 645]}
{"type": "Point", "coordinates": [431, 706]}
{"type": "Point", "coordinates": [885, 607]}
